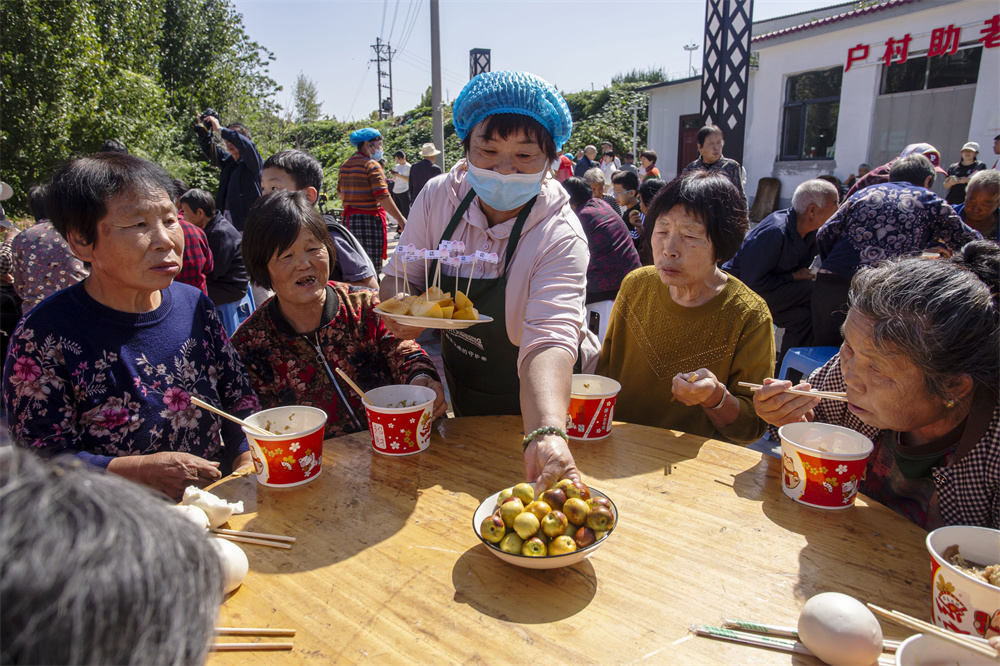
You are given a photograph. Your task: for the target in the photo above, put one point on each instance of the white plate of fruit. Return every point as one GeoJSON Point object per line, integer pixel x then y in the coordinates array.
{"type": "Point", "coordinates": [433, 309]}
{"type": "Point", "coordinates": [562, 527]}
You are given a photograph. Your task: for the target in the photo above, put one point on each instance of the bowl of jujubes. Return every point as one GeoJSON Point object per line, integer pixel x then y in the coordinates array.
{"type": "Point", "coordinates": [560, 527]}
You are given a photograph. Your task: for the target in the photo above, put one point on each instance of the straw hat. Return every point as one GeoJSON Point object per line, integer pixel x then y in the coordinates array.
{"type": "Point", "coordinates": [6, 192]}
{"type": "Point", "coordinates": [429, 150]}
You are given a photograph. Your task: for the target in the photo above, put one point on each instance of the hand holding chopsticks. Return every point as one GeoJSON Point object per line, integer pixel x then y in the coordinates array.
{"type": "Point", "coordinates": [827, 395]}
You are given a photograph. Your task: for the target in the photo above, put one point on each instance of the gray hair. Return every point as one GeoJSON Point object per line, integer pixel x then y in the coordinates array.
{"type": "Point", "coordinates": [988, 178]}
{"type": "Point", "coordinates": [590, 149]}
{"type": "Point", "coordinates": [816, 191]}
{"type": "Point", "coordinates": [595, 175]}
{"type": "Point", "coordinates": [941, 315]}
{"type": "Point", "coordinates": [95, 569]}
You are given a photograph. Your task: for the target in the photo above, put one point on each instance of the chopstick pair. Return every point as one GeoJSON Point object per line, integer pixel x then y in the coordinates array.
{"type": "Point", "coordinates": [255, 538]}
{"type": "Point", "coordinates": [827, 395]}
{"type": "Point", "coordinates": [691, 379]}
{"type": "Point", "coordinates": [786, 632]}
{"type": "Point", "coordinates": [767, 640]}
{"type": "Point", "coordinates": [967, 642]}
{"type": "Point", "coordinates": [249, 647]}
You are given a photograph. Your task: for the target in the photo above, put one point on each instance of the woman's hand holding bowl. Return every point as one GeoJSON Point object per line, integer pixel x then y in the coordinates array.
{"type": "Point", "coordinates": [440, 404]}
{"type": "Point", "coordinates": [170, 472]}
{"type": "Point", "coordinates": [779, 408]}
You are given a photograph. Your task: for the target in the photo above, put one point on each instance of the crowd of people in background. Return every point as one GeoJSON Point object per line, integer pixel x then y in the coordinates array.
{"type": "Point", "coordinates": [135, 292]}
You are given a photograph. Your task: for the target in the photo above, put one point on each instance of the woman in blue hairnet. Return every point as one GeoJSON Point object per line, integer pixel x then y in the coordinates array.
{"type": "Point", "coordinates": [362, 187]}
{"type": "Point", "coordinates": [502, 199]}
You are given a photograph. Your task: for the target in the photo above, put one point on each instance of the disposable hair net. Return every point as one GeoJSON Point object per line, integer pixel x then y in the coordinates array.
{"type": "Point", "coordinates": [512, 92]}
{"type": "Point", "coordinates": [358, 137]}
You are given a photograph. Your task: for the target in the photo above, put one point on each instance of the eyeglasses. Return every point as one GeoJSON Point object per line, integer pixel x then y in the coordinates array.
{"type": "Point", "coordinates": [621, 194]}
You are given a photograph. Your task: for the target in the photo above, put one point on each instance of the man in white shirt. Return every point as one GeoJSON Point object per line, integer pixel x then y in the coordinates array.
{"type": "Point", "coordinates": [401, 183]}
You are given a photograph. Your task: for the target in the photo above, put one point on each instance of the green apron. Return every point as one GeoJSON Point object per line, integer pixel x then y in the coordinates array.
{"type": "Point", "coordinates": [480, 363]}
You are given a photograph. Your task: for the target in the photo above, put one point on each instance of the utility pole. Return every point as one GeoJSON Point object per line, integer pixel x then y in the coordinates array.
{"type": "Point", "coordinates": [438, 118]}
{"type": "Point", "coordinates": [690, 48]}
{"type": "Point", "coordinates": [383, 54]}
{"type": "Point", "coordinates": [635, 130]}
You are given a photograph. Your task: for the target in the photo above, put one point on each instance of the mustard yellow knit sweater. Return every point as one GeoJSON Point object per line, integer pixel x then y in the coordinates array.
{"type": "Point", "coordinates": [651, 338]}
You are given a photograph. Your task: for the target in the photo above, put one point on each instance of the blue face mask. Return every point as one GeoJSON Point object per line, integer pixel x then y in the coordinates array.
{"type": "Point", "coordinates": [503, 192]}
{"type": "Point", "coordinates": [378, 154]}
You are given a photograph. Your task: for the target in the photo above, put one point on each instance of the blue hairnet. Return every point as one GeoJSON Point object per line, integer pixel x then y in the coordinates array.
{"type": "Point", "coordinates": [512, 92]}
{"type": "Point", "coordinates": [358, 137]}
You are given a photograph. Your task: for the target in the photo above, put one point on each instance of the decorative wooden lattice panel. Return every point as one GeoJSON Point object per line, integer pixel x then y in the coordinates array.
{"type": "Point", "coordinates": [726, 68]}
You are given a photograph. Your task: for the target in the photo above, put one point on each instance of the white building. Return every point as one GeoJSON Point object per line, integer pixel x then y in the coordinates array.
{"type": "Point", "coordinates": [822, 99]}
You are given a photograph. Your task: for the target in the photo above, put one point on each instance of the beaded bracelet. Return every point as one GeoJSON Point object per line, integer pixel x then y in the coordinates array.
{"type": "Point", "coordinates": [545, 430]}
{"type": "Point", "coordinates": [725, 392]}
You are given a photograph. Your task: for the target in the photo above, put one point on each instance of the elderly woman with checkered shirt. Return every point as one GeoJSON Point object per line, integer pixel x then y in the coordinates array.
{"type": "Point", "coordinates": [920, 365]}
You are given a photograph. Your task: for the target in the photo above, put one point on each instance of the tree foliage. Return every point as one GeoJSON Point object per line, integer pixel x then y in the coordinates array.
{"type": "Point", "coordinates": [75, 73]}
{"type": "Point", "coordinates": [308, 108]}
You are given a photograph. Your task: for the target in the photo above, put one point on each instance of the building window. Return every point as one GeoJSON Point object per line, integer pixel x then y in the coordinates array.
{"type": "Point", "coordinates": [922, 73]}
{"type": "Point", "coordinates": [812, 103]}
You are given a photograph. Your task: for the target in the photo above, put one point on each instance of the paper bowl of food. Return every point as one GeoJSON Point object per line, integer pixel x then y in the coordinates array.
{"type": "Point", "coordinates": [822, 464]}
{"type": "Point", "coordinates": [537, 535]}
{"type": "Point", "coordinates": [965, 579]}
{"type": "Point", "coordinates": [927, 650]}
{"type": "Point", "coordinates": [399, 418]}
{"type": "Point", "coordinates": [293, 454]}
{"type": "Point", "coordinates": [591, 407]}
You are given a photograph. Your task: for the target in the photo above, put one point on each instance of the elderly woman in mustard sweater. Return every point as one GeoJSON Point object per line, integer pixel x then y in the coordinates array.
{"type": "Point", "coordinates": [683, 333]}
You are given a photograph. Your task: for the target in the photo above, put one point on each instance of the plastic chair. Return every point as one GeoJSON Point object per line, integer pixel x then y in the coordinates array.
{"type": "Point", "coordinates": [805, 360]}
{"type": "Point", "coordinates": [234, 314]}
{"type": "Point", "coordinates": [598, 315]}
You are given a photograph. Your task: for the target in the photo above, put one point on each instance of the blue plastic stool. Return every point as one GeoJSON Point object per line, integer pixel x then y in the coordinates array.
{"type": "Point", "coordinates": [806, 359]}
{"type": "Point", "coordinates": [234, 314]}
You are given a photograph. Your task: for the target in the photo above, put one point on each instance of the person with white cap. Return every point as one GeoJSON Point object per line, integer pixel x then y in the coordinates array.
{"type": "Point", "coordinates": [362, 187]}
{"type": "Point", "coordinates": [880, 174]}
{"type": "Point", "coordinates": [423, 170]}
{"type": "Point", "coordinates": [501, 200]}
{"type": "Point", "coordinates": [960, 172]}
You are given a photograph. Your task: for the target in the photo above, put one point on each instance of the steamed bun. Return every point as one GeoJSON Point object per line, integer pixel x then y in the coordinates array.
{"type": "Point", "coordinates": [217, 509]}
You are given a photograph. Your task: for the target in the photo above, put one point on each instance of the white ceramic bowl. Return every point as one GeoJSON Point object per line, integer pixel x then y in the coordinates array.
{"type": "Point", "coordinates": [489, 505]}
{"type": "Point", "coordinates": [959, 601]}
{"type": "Point", "coordinates": [927, 650]}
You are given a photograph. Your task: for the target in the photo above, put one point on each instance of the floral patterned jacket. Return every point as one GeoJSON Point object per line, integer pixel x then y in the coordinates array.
{"type": "Point", "coordinates": [285, 369]}
{"type": "Point", "coordinates": [888, 220]}
{"type": "Point", "coordinates": [84, 379]}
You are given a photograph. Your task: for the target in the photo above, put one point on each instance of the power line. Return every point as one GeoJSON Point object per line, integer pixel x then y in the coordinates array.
{"type": "Point", "coordinates": [408, 31]}
{"type": "Point", "coordinates": [393, 26]}
{"type": "Point", "coordinates": [363, 77]}
{"type": "Point", "coordinates": [416, 61]}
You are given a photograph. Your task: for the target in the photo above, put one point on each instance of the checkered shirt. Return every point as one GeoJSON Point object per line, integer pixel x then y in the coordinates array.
{"type": "Point", "coordinates": [197, 258]}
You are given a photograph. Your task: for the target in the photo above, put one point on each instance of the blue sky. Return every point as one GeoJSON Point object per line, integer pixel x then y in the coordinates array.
{"type": "Point", "coordinates": [574, 45]}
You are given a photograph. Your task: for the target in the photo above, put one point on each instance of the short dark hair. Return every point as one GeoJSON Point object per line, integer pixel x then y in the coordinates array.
{"type": "Point", "coordinates": [626, 179]}
{"type": "Point", "coordinates": [180, 187]}
{"type": "Point", "coordinates": [630, 156]}
{"type": "Point", "coordinates": [503, 125]}
{"type": "Point", "coordinates": [273, 225]}
{"type": "Point", "coordinates": [649, 155]}
{"type": "Point", "coordinates": [400, 154]}
{"type": "Point", "coordinates": [649, 188]}
{"type": "Point", "coordinates": [113, 146]}
{"type": "Point", "coordinates": [609, 152]}
{"type": "Point", "coordinates": [99, 570]}
{"type": "Point", "coordinates": [913, 169]}
{"type": "Point", "coordinates": [707, 131]}
{"type": "Point", "coordinates": [240, 128]}
{"type": "Point", "coordinates": [199, 200]}
{"type": "Point", "coordinates": [36, 201]}
{"type": "Point", "coordinates": [714, 200]}
{"type": "Point", "coordinates": [304, 169]}
{"type": "Point", "coordinates": [579, 191]}
{"type": "Point", "coordinates": [78, 195]}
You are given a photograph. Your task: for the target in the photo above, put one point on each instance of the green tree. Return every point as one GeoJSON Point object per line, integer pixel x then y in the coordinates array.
{"type": "Point", "coordinates": [308, 108]}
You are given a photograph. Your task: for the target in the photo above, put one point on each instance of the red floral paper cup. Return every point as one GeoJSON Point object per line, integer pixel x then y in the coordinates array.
{"type": "Point", "coordinates": [294, 454]}
{"type": "Point", "coordinates": [823, 464]}
{"type": "Point", "coordinates": [591, 407]}
{"type": "Point", "coordinates": [961, 602]}
{"type": "Point", "coordinates": [399, 418]}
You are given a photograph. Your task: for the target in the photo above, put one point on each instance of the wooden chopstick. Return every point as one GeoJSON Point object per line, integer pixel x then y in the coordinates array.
{"type": "Point", "coordinates": [253, 631]}
{"type": "Point", "coordinates": [257, 429]}
{"type": "Point", "coordinates": [256, 542]}
{"type": "Point", "coordinates": [928, 628]}
{"type": "Point", "coordinates": [786, 632]}
{"type": "Point", "coordinates": [350, 382]}
{"type": "Point", "coordinates": [759, 640]}
{"type": "Point", "coordinates": [828, 395]}
{"type": "Point", "coordinates": [254, 535]}
{"type": "Point", "coordinates": [249, 647]}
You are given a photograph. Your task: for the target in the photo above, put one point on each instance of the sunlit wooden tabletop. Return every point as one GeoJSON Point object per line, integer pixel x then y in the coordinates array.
{"type": "Point", "coordinates": [388, 570]}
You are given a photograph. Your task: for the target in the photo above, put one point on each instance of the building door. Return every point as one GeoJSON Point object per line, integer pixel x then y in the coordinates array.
{"type": "Point", "coordinates": [939, 117]}
{"type": "Point", "coordinates": [687, 141]}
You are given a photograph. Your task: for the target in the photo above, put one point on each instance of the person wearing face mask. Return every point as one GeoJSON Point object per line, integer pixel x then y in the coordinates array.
{"type": "Point", "coordinates": [710, 144]}
{"type": "Point", "coordinates": [500, 200]}
{"type": "Point", "coordinates": [362, 187]}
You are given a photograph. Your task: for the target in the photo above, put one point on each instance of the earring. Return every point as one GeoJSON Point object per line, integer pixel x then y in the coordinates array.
{"type": "Point", "coordinates": [949, 403]}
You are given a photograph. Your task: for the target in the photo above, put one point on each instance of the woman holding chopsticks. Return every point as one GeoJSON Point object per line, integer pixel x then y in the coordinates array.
{"type": "Point", "coordinates": [920, 366]}
{"type": "Point", "coordinates": [293, 342]}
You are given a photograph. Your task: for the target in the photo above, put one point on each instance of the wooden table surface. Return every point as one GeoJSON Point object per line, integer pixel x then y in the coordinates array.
{"type": "Point", "coordinates": [387, 568]}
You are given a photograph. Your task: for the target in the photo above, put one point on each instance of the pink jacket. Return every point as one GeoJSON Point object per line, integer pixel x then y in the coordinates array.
{"type": "Point", "coordinates": [547, 279]}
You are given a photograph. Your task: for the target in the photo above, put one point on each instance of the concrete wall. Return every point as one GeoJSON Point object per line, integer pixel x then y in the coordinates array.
{"type": "Point", "coordinates": [666, 106]}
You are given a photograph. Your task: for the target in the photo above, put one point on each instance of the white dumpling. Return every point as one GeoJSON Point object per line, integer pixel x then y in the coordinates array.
{"type": "Point", "coordinates": [840, 630]}
{"type": "Point", "coordinates": [193, 513]}
{"type": "Point", "coordinates": [234, 563]}
{"type": "Point", "coordinates": [217, 509]}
